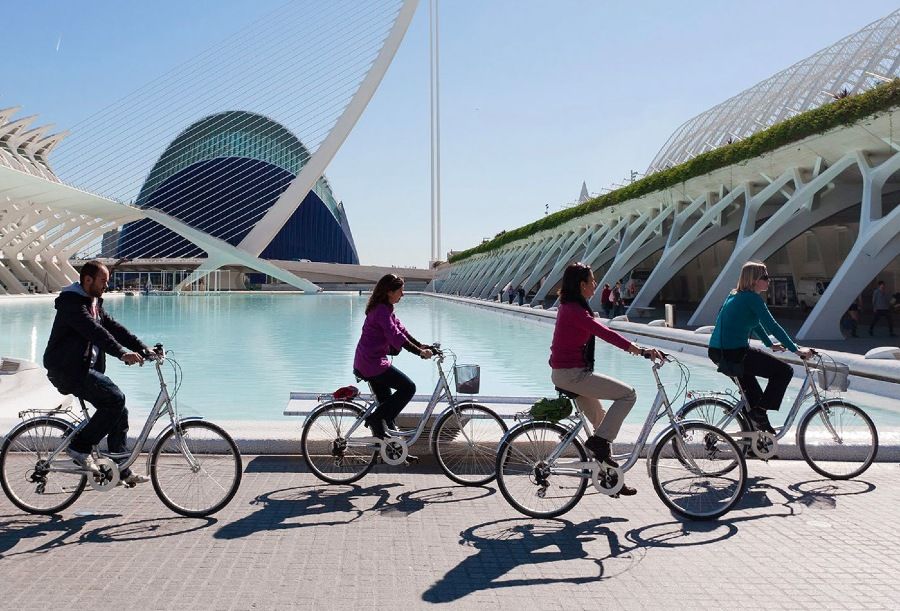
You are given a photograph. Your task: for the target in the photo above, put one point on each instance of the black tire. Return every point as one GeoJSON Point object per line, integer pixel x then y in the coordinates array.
{"type": "Point", "coordinates": [19, 456]}
{"type": "Point", "coordinates": [466, 447]}
{"type": "Point", "coordinates": [713, 410]}
{"type": "Point", "coordinates": [708, 447]}
{"type": "Point", "coordinates": [218, 469]}
{"type": "Point", "coordinates": [517, 470]}
{"type": "Point", "coordinates": [842, 417]}
{"type": "Point", "coordinates": [322, 442]}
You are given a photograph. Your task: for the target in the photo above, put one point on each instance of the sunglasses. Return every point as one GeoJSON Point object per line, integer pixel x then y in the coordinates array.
{"type": "Point", "coordinates": [764, 277]}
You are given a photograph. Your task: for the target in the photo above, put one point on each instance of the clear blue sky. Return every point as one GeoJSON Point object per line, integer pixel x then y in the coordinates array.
{"type": "Point", "coordinates": [536, 96]}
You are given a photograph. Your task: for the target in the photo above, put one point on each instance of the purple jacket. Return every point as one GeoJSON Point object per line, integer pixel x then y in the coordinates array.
{"type": "Point", "coordinates": [382, 334]}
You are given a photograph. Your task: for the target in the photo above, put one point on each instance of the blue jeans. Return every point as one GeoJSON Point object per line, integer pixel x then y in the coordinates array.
{"type": "Point", "coordinates": [110, 419]}
{"type": "Point", "coordinates": [391, 404]}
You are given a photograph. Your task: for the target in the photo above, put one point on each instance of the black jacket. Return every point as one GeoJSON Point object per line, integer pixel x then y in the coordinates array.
{"type": "Point", "coordinates": [75, 332]}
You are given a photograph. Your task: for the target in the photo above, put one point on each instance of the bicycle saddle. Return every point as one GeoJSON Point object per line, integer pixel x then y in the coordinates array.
{"type": "Point", "coordinates": [567, 393]}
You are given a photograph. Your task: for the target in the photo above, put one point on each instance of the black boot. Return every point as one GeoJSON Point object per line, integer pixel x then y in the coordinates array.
{"type": "Point", "coordinates": [626, 491]}
{"type": "Point", "coordinates": [760, 420]}
{"type": "Point", "coordinates": [601, 450]}
{"type": "Point", "coordinates": [376, 425]}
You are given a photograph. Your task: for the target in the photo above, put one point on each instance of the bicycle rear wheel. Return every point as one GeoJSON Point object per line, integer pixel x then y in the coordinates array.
{"type": "Point", "coordinates": [465, 444]}
{"type": "Point", "coordinates": [533, 483]}
{"type": "Point", "coordinates": [687, 469]}
{"type": "Point", "coordinates": [330, 455]}
{"type": "Point", "coordinates": [838, 439]}
{"type": "Point", "coordinates": [199, 474]}
{"type": "Point", "coordinates": [26, 475]}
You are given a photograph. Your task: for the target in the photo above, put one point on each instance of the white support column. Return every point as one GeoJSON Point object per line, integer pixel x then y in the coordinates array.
{"type": "Point", "coordinates": [792, 218]}
{"type": "Point", "coordinates": [491, 279]}
{"type": "Point", "coordinates": [529, 257]}
{"type": "Point", "coordinates": [484, 264]}
{"type": "Point", "coordinates": [13, 285]}
{"type": "Point", "coordinates": [650, 239]}
{"type": "Point", "coordinates": [459, 274]}
{"type": "Point", "coordinates": [543, 263]}
{"type": "Point", "coordinates": [683, 246]}
{"type": "Point", "coordinates": [876, 246]}
{"type": "Point", "coordinates": [556, 274]}
{"type": "Point", "coordinates": [497, 281]}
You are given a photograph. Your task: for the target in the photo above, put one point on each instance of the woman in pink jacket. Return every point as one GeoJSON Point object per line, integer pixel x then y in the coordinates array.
{"type": "Point", "coordinates": [572, 361]}
{"type": "Point", "coordinates": [384, 335]}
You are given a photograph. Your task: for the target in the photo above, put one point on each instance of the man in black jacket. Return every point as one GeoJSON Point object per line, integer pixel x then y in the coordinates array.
{"type": "Point", "coordinates": [75, 358]}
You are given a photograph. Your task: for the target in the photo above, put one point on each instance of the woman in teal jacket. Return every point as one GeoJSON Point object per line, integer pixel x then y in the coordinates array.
{"type": "Point", "coordinates": [744, 313]}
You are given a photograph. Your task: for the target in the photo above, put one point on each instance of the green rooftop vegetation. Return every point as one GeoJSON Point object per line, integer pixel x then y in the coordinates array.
{"type": "Point", "coordinates": [845, 110]}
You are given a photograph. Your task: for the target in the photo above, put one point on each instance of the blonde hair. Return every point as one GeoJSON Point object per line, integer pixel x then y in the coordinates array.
{"type": "Point", "coordinates": [750, 273]}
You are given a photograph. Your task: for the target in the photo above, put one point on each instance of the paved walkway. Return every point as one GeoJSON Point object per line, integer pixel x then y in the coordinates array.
{"type": "Point", "coordinates": [411, 539]}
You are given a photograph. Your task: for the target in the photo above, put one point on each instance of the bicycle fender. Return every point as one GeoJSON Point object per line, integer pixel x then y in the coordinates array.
{"type": "Point", "coordinates": [159, 437]}
{"type": "Point", "coordinates": [717, 400]}
{"type": "Point", "coordinates": [24, 423]}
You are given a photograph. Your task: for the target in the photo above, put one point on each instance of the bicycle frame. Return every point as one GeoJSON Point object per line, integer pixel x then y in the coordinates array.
{"type": "Point", "coordinates": [807, 389]}
{"type": "Point", "coordinates": [441, 391]}
{"type": "Point", "coordinates": [661, 407]}
{"type": "Point", "coordinates": [161, 406]}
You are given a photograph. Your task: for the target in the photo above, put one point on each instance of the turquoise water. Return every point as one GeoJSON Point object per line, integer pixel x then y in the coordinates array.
{"type": "Point", "coordinates": [243, 354]}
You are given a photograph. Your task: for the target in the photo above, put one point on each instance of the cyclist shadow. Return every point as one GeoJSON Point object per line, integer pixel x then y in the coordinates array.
{"type": "Point", "coordinates": [410, 502]}
{"type": "Point", "coordinates": [18, 528]}
{"type": "Point", "coordinates": [504, 545]}
{"type": "Point", "coordinates": [816, 494]}
{"type": "Point", "coordinates": [280, 506]}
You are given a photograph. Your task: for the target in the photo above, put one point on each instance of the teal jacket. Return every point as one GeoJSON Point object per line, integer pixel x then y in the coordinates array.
{"type": "Point", "coordinates": [743, 313]}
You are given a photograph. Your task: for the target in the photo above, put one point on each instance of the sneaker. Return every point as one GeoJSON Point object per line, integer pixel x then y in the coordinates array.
{"type": "Point", "coordinates": [83, 460]}
{"type": "Point", "coordinates": [133, 480]}
{"type": "Point", "coordinates": [601, 450]}
{"type": "Point", "coordinates": [760, 420]}
{"type": "Point", "coordinates": [376, 425]}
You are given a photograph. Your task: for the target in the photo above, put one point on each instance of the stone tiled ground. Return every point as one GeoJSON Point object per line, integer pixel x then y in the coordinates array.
{"type": "Point", "coordinates": [412, 539]}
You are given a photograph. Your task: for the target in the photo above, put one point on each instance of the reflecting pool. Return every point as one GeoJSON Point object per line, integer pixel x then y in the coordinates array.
{"type": "Point", "coordinates": [242, 354]}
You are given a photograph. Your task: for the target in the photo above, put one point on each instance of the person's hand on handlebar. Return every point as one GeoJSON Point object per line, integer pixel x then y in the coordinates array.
{"type": "Point", "coordinates": [426, 353]}
{"type": "Point", "coordinates": [132, 358]}
{"type": "Point", "coordinates": [778, 348]}
{"type": "Point", "coordinates": [649, 353]}
{"type": "Point", "coordinates": [805, 353]}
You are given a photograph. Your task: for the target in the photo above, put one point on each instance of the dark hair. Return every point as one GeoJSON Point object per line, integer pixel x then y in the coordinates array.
{"type": "Point", "coordinates": [91, 268]}
{"type": "Point", "coordinates": [390, 282]}
{"type": "Point", "coordinates": [570, 290]}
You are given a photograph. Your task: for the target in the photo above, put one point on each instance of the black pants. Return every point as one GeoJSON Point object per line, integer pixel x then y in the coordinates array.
{"type": "Point", "coordinates": [110, 419]}
{"type": "Point", "coordinates": [758, 364]}
{"type": "Point", "coordinates": [878, 315]}
{"type": "Point", "coordinates": [390, 404]}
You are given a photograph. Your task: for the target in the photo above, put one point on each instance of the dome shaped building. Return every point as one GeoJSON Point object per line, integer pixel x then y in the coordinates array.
{"type": "Point", "coordinates": [220, 176]}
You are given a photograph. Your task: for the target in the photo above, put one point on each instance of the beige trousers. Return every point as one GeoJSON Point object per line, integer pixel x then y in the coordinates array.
{"type": "Point", "coordinates": [591, 388]}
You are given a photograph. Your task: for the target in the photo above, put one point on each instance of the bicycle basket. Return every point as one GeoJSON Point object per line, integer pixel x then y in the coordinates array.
{"type": "Point", "coordinates": [468, 379]}
{"type": "Point", "coordinates": [833, 376]}
{"type": "Point", "coordinates": [553, 410]}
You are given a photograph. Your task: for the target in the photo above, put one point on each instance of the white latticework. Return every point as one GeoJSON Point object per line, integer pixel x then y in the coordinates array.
{"type": "Point", "coordinates": [853, 64]}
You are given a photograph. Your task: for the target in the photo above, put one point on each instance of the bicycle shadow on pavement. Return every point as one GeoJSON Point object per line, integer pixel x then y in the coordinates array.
{"type": "Point", "coordinates": [817, 494]}
{"type": "Point", "coordinates": [15, 529]}
{"type": "Point", "coordinates": [345, 504]}
{"type": "Point", "coordinates": [412, 501]}
{"type": "Point", "coordinates": [505, 545]}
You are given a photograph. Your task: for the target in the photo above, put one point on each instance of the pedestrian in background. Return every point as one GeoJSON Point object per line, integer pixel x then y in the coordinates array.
{"type": "Point", "coordinates": [881, 306]}
{"type": "Point", "coordinates": [604, 300]}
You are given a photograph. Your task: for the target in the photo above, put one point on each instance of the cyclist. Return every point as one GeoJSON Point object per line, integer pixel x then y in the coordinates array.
{"type": "Point", "coordinates": [81, 337]}
{"type": "Point", "coordinates": [743, 313]}
{"type": "Point", "coordinates": [572, 362]}
{"type": "Point", "coordinates": [384, 335]}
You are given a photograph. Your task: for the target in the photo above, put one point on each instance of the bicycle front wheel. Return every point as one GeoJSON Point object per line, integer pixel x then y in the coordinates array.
{"type": "Point", "coordinates": [329, 453]}
{"type": "Point", "coordinates": [531, 480]}
{"type": "Point", "coordinates": [29, 479]}
{"type": "Point", "coordinates": [198, 472]}
{"type": "Point", "coordinates": [465, 444]}
{"type": "Point", "coordinates": [838, 439]}
{"type": "Point", "coordinates": [687, 467]}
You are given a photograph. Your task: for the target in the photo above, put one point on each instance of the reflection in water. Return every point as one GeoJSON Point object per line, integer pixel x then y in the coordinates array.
{"type": "Point", "coordinates": [242, 354]}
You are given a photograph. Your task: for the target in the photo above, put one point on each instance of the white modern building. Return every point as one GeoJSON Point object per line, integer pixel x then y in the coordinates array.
{"type": "Point", "coordinates": [822, 212]}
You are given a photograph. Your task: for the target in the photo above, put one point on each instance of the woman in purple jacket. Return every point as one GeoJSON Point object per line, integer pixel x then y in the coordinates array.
{"type": "Point", "coordinates": [383, 335]}
{"type": "Point", "coordinates": [572, 362]}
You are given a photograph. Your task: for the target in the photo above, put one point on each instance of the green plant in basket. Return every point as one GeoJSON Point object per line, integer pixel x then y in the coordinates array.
{"type": "Point", "coordinates": [553, 410]}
